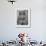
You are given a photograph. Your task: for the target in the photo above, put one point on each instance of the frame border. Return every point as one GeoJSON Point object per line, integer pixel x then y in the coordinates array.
{"type": "Point", "coordinates": [17, 26]}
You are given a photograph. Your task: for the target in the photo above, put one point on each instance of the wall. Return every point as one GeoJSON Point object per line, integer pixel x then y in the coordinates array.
{"type": "Point", "coordinates": [8, 28]}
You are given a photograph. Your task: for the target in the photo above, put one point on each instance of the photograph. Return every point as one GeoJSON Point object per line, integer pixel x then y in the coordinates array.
{"type": "Point", "coordinates": [23, 17]}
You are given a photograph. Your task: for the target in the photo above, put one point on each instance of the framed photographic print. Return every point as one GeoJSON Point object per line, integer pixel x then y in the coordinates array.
{"type": "Point", "coordinates": [23, 18]}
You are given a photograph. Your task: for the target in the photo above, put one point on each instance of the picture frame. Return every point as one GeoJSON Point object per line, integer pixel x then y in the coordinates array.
{"type": "Point", "coordinates": [20, 14]}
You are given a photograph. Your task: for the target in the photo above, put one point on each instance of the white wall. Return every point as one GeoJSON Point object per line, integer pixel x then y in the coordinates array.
{"type": "Point", "coordinates": [8, 28]}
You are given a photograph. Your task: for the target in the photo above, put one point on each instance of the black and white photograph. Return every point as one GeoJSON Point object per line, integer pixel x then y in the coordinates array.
{"type": "Point", "coordinates": [23, 17]}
